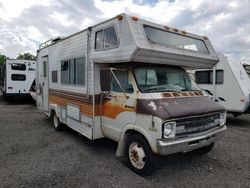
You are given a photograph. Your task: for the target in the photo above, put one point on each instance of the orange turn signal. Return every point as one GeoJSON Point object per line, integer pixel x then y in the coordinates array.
{"type": "Point", "coordinates": [175, 29]}
{"type": "Point", "coordinates": [166, 27]}
{"type": "Point", "coordinates": [184, 32]}
{"type": "Point", "coordinates": [134, 18]}
{"type": "Point", "coordinates": [119, 17]}
{"type": "Point", "coordinates": [205, 37]}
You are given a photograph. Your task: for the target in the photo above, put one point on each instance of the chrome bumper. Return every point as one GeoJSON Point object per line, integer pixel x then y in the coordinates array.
{"type": "Point", "coordinates": [166, 147]}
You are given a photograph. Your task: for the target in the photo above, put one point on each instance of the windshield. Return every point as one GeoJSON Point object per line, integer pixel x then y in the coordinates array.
{"type": "Point", "coordinates": [163, 79]}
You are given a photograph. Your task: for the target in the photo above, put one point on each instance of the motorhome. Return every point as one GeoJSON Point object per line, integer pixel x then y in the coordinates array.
{"type": "Point", "coordinates": [228, 84]}
{"type": "Point", "coordinates": [18, 77]}
{"type": "Point", "coordinates": [124, 79]}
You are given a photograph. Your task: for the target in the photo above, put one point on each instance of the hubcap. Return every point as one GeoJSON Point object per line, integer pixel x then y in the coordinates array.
{"type": "Point", "coordinates": [55, 120]}
{"type": "Point", "coordinates": [137, 155]}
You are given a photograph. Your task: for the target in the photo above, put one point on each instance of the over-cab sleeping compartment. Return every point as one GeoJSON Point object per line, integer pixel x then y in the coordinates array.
{"type": "Point", "coordinates": [138, 40]}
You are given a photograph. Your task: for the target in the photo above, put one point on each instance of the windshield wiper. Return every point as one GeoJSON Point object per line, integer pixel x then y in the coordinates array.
{"type": "Point", "coordinates": [188, 89]}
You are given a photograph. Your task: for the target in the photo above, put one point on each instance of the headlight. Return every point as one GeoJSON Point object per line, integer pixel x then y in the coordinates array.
{"type": "Point", "coordinates": [169, 129]}
{"type": "Point", "coordinates": [223, 117]}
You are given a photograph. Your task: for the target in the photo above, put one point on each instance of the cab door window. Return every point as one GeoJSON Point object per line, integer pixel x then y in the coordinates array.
{"type": "Point", "coordinates": [122, 77]}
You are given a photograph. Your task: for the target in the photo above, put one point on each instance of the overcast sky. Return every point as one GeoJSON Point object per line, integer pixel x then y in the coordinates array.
{"type": "Point", "coordinates": [24, 24]}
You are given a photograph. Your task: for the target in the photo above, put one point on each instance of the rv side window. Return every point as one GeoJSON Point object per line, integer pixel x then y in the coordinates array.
{"type": "Point", "coordinates": [206, 77]}
{"type": "Point", "coordinates": [44, 68]}
{"type": "Point", "coordinates": [99, 40]}
{"type": "Point", "coordinates": [54, 76]}
{"type": "Point", "coordinates": [18, 66]}
{"type": "Point", "coordinates": [203, 77]}
{"type": "Point", "coordinates": [219, 76]}
{"type": "Point", "coordinates": [110, 39]}
{"type": "Point", "coordinates": [18, 77]}
{"type": "Point", "coordinates": [122, 76]}
{"type": "Point", "coordinates": [106, 38]}
{"type": "Point", "coordinates": [73, 71]}
{"type": "Point", "coordinates": [65, 72]}
{"type": "Point", "coordinates": [160, 36]}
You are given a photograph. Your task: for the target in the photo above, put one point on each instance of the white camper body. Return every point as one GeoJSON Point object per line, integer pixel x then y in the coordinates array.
{"type": "Point", "coordinates": [230, 87]}
{"type": "Point", "coordinates": [18, 77]}
{"type": "Point", "coordinates": [89, 82]}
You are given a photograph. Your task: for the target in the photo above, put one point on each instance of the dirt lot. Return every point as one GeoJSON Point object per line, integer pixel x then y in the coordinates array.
{"type": "Point", "coordinates": [33, 154]}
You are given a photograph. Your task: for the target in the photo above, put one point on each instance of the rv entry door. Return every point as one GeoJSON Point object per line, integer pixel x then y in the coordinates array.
{"type": "Point", "coordinates": [45, 84]}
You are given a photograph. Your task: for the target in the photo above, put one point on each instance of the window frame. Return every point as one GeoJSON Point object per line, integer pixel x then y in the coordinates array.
{"type": "Point", "coordinates": [210, 72]}
{"type": "Point", "coordinates": [11, 66]}
{"type": "Point", "coordinates": [170, 46]}
{"type": "Point", "coordinates": [114, 80]}
{"type": "Point", "coordinates": [117, 36]}
{"type": "Point", "coordinates": [54, 76]}
{"type": "Point", "coordinates": [74, 61]}
{"type": "Point", "coordinates": [18, 80]}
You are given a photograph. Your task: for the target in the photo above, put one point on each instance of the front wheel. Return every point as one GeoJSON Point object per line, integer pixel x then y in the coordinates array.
{"type": "Point", "coordinates": [56, 122]}
{"type": "Point", "coordinates": [140, 158]}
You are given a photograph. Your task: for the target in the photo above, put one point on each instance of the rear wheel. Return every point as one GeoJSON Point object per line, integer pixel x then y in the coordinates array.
{"type": "Point", "coordinates": [56, 122]}
{"type": "Point", "coordinates": [140, 158]}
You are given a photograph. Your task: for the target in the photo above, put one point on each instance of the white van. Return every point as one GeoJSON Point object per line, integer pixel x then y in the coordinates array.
{"type": "Point", "coordinates": [228, 84]}
{"type": "Point", "coordinates": [124, 79]}
{"type": "Point", "coordinates": [18, 77]}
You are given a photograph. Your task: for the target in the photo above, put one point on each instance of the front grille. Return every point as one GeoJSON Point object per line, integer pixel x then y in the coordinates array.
{"type": "Point", "coordinates": [197, 124]}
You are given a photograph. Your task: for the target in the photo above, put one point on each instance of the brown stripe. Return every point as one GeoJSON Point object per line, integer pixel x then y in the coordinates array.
{"type": "Point", "coordinates": [85, 108]}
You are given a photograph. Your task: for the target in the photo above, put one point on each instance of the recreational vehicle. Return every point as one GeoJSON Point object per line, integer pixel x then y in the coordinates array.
{"type": "Point", "coordinates": [18, 77]}
{"type": "Point", "coordinates": [228, 84]}
{"type": "Point", "coordinates": [124, 79]}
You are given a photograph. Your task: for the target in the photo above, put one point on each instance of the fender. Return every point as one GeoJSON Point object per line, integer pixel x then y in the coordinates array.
{"type": "Point", "coordinates": [121, 144]}
{"type": "Point", "coordinates": [54, 107]}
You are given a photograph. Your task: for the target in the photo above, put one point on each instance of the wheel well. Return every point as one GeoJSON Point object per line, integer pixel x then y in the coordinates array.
{"type": "Point", "coordinates": [52, 111]}
{"type": "Point", "coordinates": [130, 132]}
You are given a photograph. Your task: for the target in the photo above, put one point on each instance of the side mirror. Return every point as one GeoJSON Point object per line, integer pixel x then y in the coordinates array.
{"type": "Point", "coordinates": [105, 78]}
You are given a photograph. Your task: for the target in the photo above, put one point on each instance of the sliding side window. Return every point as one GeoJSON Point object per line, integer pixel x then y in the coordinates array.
{"type": "Point", "coordinates": [73, 71]}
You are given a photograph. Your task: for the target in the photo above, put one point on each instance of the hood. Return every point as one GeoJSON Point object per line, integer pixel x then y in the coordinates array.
{"type": "Point", "coordinates": [171, 108]}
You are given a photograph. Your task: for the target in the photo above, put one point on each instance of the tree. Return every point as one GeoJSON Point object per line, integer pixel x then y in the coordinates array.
{"type": "Point", "coordinates": [26, 56]}
{"type": "Point", "coordinates": [2, 59]}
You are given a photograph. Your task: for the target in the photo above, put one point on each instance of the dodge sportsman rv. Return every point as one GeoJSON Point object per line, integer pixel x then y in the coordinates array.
{"type": "Point", "coordinates": [18, 77]}
{"type": "Point", "coordinates": [124, 79]}
{"type": "Point", "coordinates": [228, 84]}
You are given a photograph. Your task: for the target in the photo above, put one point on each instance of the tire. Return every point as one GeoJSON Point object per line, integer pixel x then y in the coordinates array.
{"type": "Point", "coordinates": [56, 122]}
{"type": "Point", "coordinates": [139, 157]}
{"type": "Point", "coordinates": [204, 150]}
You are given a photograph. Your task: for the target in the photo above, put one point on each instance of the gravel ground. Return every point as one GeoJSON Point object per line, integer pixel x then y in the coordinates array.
{"type": "Point", "coordinates": [33, 154]}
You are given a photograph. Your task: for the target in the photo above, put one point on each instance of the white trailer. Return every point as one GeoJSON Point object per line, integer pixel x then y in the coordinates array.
{"type": "Point", "coordinates": [124, 79]}
{"type": "Point", "coordinates": [228, 84]}
{"type": "Point", "coordinates": [18, 77]}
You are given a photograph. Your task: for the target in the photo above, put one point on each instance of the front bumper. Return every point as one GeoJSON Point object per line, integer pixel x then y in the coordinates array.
{"type": "Point", "coordinates": [166, 147]}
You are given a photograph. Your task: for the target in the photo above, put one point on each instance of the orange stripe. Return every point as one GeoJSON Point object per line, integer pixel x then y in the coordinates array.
{"type": "Point", "coordinates": [113, 109]}
{"type": "Point", "coordinates": [110, 109]}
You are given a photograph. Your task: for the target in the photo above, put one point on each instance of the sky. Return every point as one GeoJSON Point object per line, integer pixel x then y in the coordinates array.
{"type": "Point", "coordinates": [24, 24]}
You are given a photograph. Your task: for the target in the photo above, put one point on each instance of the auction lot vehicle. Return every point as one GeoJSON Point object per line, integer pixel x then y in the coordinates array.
{"type": "Point", "coordinates": [18, 77]}
{"type": "Point", "coordinates": [228, 84]}
{"type": "Point", "coordinates": [124, 79]}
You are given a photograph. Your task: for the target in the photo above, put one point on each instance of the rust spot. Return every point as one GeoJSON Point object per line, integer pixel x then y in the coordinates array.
{"type": "Point", "coordinates": [184, 94]}
{"type": "Point", "coordinates": [191, 94]}
{"type": "Point", "coordinates": [197, 93]}
{"type": "Point", "coordinates": [167, 95]}
{"type": "Point", "coordinates": [176, 94]}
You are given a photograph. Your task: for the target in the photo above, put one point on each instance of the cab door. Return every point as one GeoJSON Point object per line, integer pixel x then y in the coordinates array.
{"type": "Point", "coordinates": [119, 105]}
